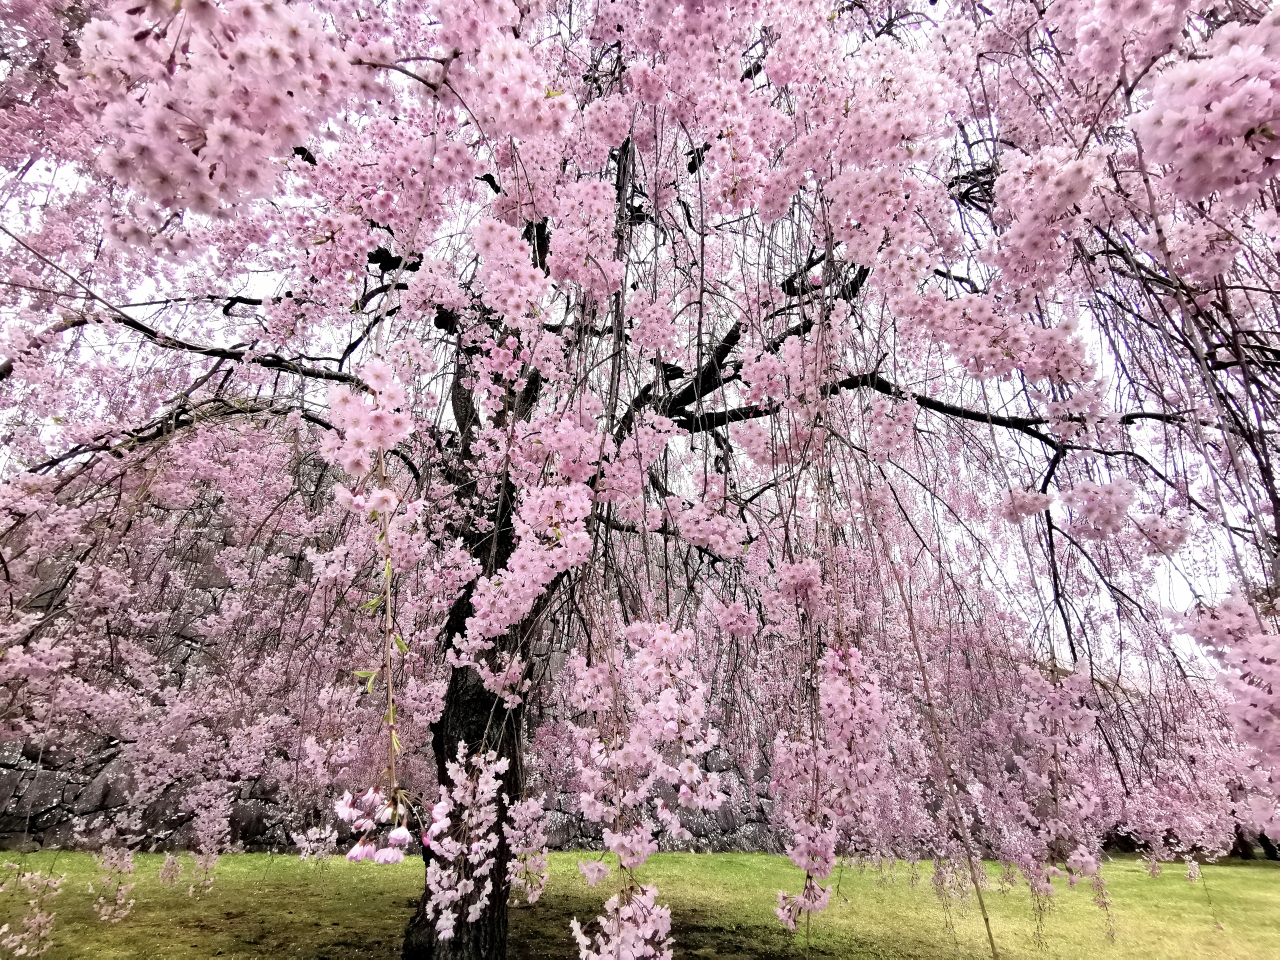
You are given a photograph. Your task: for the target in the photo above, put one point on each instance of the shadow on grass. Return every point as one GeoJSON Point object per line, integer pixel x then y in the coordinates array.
{"type": "Point", "coordinates": [542, 932]}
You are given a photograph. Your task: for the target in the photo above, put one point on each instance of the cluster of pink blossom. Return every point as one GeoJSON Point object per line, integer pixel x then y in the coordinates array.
{"type": "Point", "coordinates": [367, 815]}
{"type": "Point", "coordinates": [604, 124]}
{"type": "Point", "coordinates": [513, 286]}
{"type": "Point", "coordinates": [891, 428]}
{"type": "Point", "coordinates": [990, 342]}
{"type": "Point", "coordinates": [366, 429]}
{"type": "Point", "coordinates": [38, 38]}
{"type": "Point", "coordinates": [35, 937]}
{"type": "Point", "coordinates": [503, 84]}
{"type": "Point", "coordinates": [402, 184]}
{"type": "Point", "coordinates": [315, 843]}
{"type": "Point", "coordinates": [650, 729]}
{"type": "Point", "coordinates": [1103, 35]}
{"type": "Point", "coordinates": [736, 620]}
{"type": "Point", "coordinates": [1042, 200]}
{"type": "Point", "coordinates": [1058, 711]}
{"type": "Point", "coordinates": [553, 539]}
{"type": "Point", "coordinates": [505, 360]}
{"type": "Point", "coordinates": [703, 525]}
{"type": "Point", "coordinates": [1199, 251]}
{"type": "Point", "coordinates": [793, 370]}
{"type": "Point", "coordinates": [584, 232]}
{"type": "Point", "coordinates": [171, 870]}
{"type": "Point", "coordinates": [633, 926]}
{"type": "Point", "coordinates": [754, 440]}
{"type": "Point", "coordinates": [812, 898]}
{"type": "Point", "coordinates": [527, 870]}
{"type": "Point", "coordinates": [648, 734]}
{"type": "Point", "coordinates": [570, 446]}
{"type": "Point", "coordinates": [801, 583]}
{"type": "Point", "coordinates": [869, 203]}
{"type": "Point", "coordinates": [652, 328]}
{"type": "Point", "coordinates": [113, 904]}
{"type": "Point", "coordinates": [1212, 118]}
{"type": "Point", "coordinates": [625, 476]}
{"type": "Point", "coordinates": [766, 377]}
{"type": "Point", "coordinates": [1058, 721]}
{"type": "Point", "coordinates": [202, 96]}
{"type": "Point", "coordinates": [1099, 510]}
{"type": "Point", "coordinates": [1081, 863]}
{"type": "Point", "coordinates": [1250, 660]}
{"type": "Point", "coordinates": [1017, 505]}
{"type": "Point", "coordinates": [467, 25]}
{"type": "Point", "coordinates": [1165, 533]}
{"type": "Point", "coordinates": [828, 783]}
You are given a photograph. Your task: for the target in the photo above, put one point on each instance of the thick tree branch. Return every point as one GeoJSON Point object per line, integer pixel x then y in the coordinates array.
{"type": "Point", "coordinates": [239, 352]}
{"type": "Point", "coordinates": [699, 423]}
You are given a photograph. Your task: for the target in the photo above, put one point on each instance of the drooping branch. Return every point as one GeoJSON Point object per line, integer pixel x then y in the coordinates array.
{"type": "Point", "coordinates": [240, 352]}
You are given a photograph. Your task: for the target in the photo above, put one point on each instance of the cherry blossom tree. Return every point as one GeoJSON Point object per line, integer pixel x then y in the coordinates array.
{"type": "Point", "coordinates": [879, 393]}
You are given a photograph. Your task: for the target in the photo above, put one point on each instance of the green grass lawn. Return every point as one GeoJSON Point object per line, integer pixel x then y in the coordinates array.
{"type": "Point", "coordinates": [722, 906]}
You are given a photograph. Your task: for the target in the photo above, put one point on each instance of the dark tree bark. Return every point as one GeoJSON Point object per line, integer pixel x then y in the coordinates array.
{"type": "Point", "coordinates": [1268, 848]}
{"type": "Point", "coordinates": [476, 717]}
{"type": "Point", "coordinates": [1242, 848]}
{"type": "Point", "coordinates": [473, 715]}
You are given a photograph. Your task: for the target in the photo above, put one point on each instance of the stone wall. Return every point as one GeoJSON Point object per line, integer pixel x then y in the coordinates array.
{"type": "Point", "coordinates": [63, 799]}
{"type": "Point", "coordinates": [743, 824]}
{"type": "Point", "coordinates": [43, 792]}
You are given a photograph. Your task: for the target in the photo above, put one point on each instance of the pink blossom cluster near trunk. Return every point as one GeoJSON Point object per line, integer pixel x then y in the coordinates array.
{"type": "Point", "coordinates": [418, 415]}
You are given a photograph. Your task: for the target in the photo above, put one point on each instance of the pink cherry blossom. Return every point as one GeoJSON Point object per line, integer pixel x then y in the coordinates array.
{"type": "Point", "coordinates": [444, 413]}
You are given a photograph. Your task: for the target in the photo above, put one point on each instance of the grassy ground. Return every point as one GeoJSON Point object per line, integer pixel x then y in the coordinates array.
{"type": "Point", "coordinates": [722, 907]}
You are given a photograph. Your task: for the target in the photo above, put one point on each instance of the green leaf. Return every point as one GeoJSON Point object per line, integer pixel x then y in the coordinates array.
{"type": "Point", "coordinates": [400, 644]}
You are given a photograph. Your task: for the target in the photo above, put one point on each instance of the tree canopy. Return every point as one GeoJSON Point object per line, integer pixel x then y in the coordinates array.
{"type": "Point", "coordinates": [405, 401]}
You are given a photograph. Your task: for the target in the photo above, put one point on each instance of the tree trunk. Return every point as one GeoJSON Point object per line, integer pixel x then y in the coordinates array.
{"type": "Point", "coordinates": [472, 715]}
